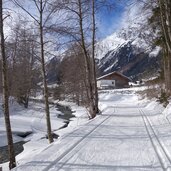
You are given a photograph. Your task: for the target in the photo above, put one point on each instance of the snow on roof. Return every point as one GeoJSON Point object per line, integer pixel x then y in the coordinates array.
{"type": "Point", "coordinates": [115, 72]}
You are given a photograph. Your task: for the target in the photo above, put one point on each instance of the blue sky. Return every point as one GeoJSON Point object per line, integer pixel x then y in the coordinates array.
{"type": "Point", "coordinates": [110, 21]}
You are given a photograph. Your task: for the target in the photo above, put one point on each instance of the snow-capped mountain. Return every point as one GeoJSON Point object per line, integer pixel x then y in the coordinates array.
{"type": "Point", "coordinates": [110, 43]}
{"type": "Point", "coordinates": [130, 50]}
{"type": "Point", "coordinates": [131, 61]}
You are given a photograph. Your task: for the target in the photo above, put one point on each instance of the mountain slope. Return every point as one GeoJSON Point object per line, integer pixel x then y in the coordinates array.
{"type": "Point", "coordinates": [130, 60]}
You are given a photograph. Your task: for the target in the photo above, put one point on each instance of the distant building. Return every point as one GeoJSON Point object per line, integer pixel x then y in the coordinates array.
{"type": "Point", "coordinates": [113, 80]}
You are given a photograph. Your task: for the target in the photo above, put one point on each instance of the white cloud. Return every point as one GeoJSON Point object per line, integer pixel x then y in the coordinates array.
{"type": "Point", "coordinates": [134, 15]}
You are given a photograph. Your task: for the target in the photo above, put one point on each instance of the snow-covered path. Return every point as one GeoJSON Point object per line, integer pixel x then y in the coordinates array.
{"type": "Point", "coordinates": [123, 138]}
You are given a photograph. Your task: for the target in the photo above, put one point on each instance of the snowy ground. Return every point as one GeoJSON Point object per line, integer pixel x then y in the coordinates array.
{"type": "Point", "coordinates": [32, 121]}
{"type": "Point", "coordinates": [131, 135]}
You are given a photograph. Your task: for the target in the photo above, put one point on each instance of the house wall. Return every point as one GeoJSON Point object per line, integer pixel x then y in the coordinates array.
{"type": "Point", "coordinates": [120, 82]}
{"type": "Point", "coordinates": [106, 83]}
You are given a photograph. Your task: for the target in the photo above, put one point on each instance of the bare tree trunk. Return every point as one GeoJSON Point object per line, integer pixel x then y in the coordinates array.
{"type": "Point", "coordinates": [165, 17]}
{"type": "Point", "coordinates": [13, 77]}
{"type": "Point", "coordinates": [167, 5]}
{"type": "Point", "coordinates": [93, 58]}
{"type": "Point", "coordinates": [163, 22]}
{"type": "Point", "coordinates": [169, 73]}
{"type": "Point", "coordinates": [165, 70]}
{"type": "Point", "coordinates": [12, 162]}
{"type": "Point", "coordinates": [49, 131]}
{"type": "Point", "coordinates": [87, 65]}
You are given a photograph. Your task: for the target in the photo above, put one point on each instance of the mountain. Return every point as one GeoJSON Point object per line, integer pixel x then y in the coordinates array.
{"type": "Point", "coordinates": [130, 50]}
{"type": "Point", "coordinates": [132, 57]}
{"type": "Point", "coordinates": [128, 61]}
{"type": "Point", "coordinates": [53, 67]}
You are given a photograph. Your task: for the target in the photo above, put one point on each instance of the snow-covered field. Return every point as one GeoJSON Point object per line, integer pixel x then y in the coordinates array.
{"type": "Point", "coordinates": [131, 134]}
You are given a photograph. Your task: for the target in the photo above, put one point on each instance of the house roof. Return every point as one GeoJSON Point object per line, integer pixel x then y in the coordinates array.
{"type": "Point", "coordinates": [115, 72]}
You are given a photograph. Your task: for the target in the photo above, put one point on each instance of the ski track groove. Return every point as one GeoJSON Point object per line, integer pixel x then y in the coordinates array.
{"type": "Point", "coordinates": [165, 160]}
{"type": "Point", "coordinates": [77, 143]}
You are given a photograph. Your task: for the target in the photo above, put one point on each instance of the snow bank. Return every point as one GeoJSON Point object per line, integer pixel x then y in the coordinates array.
{"type": "Point", "coordinates": [167, 112]}
{"type": "Point", "coordinates": [81, 118]}
{"type": "Point", "coordinates": [154, 105]}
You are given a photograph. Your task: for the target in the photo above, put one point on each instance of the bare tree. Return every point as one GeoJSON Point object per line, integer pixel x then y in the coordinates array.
{"type": "Point", "coordinates": [73, 81]}
{"type": "Point", "coordinates": [22, 57]}
{"type": "Point", "coordinates": [93, 58]}
{"type": "Point", "coordinates": [87, 59]}
{"type": "Point", "coordinates": [82, 32]}
{"type": "Point", "coordinates": [12, 162]}
{"type": "Point", "coordinates": [41, 21]}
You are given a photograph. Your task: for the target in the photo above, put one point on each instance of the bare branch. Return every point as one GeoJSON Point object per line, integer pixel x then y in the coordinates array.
{"type": "Point", "coordinates": [19, 5]}
{"type": "Point", "coordinates": [37, 6]}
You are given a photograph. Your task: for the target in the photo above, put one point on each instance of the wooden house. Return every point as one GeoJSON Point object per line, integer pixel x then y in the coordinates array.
{"type": "Point", "coordinates": [113, 80]}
